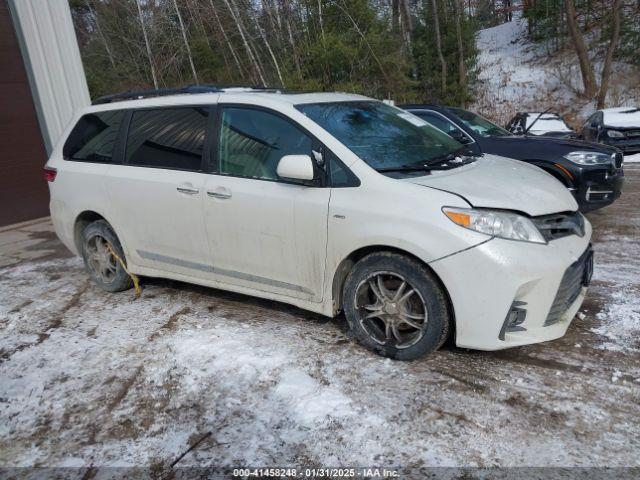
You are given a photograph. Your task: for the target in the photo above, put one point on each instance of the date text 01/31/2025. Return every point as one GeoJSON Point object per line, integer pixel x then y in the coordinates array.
{"type": "Point", "coordinates": [316, 472]}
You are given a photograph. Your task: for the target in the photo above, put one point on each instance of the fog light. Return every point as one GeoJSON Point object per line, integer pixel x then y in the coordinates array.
{"type": "Point", "coordinates": [514, 320]}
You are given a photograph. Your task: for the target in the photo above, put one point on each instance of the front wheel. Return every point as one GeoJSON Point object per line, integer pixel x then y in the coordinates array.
{"type": "Point", "coordinates": [395, 306]}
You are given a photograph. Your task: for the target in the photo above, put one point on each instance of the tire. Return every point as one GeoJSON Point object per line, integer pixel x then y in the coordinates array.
{"type": "Point", "coordinates": [401, 326]}
{"type": "Point", "coordinates": [104, 269]}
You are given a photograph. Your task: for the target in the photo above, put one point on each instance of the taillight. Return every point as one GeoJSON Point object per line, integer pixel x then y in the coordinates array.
{"type": "Point", "coordinates": [50, 174]}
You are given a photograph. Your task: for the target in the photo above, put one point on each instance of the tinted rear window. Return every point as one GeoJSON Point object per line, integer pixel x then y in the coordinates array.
{"type": "Point", "coordinates": [94, 137]}
{"type": "Point", "coordinates": [170, 138]}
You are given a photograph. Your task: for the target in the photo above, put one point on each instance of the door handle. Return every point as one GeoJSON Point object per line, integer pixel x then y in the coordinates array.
{"type": "Point", "coordinates": [188, 190]}
{"type": "Point", "coordinates": [220, 192]}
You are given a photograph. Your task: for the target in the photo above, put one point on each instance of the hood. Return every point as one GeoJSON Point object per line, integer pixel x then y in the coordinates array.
{"type": "Point", "coordinates": [623, 117]}
{"type": "Point", "coordinates": [502, 183]}
{"type": "Point", "coordinates": [534, 147]}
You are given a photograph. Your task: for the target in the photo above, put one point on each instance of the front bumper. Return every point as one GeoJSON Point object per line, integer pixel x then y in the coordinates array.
{"type": "Point", "coordinates": [598, 188]}
{"type": "Point", "coordinates": [485, 282]}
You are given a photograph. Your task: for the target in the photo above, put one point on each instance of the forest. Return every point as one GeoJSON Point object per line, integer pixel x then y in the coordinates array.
{"type": "Point", "coordinates": [408, 50]}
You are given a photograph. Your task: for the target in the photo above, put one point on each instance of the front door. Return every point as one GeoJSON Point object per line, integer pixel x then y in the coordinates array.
{"type": "Point", "coordinates": [264, 232]}
{"type": "Point", "coordinates": [157, 194]}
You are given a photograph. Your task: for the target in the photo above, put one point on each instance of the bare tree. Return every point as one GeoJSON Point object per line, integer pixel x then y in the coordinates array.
{"type": "Point", "coordinates": [443, 64]}
{"type": "Point", "coordinates": [186, 42]}
{"type": "Point", "coordinates": [146, 41]}
{"type": "Point", "coordinates": [606, 68]}
{"type": "Point", "coordinates": [462, 72]}
{"type": "Point", "coordinates": [250, 54]}
{"type": "Point", "coordinates": [266, 44]}
{"type": "Point", "coordinates": [588, 77]}
{"type": "Point", "coordinates": [225, 37]}
{"type": "Point", "coordinates": [96, 21]}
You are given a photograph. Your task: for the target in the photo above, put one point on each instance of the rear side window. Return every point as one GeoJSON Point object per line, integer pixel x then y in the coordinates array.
{"type": "Point", "coordinates": [171, 138]}
{"type": "Point", "coordinates": [94, 137]}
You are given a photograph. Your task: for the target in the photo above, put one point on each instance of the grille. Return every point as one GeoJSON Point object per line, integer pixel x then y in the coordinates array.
{"type": "Point", "coordinates": [577, 275]}
{"type": "Point", "coordinates": [560, 225]}
{"type": "Point", "coordinates": [632, 133]}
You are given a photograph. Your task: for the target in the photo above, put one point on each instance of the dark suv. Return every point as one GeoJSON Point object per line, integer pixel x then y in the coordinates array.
{"type": "Point", "coordinates": [592, 172]}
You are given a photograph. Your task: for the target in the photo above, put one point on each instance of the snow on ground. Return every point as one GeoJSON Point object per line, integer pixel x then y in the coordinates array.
{"type": "Point", "coordinates": [517, 75]}
{"type": "Point", "coordinates": [635, 158]}
{"type": "Point", "coordinates": [89, 378]}
{"type": "Point", "coordinates": [617, 268]}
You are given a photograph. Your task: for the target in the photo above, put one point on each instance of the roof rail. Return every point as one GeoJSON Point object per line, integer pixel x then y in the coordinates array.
{"type": "Point", "coordinates": [162, 92]}
{"type": "Point", "coordinates": [189, 89]}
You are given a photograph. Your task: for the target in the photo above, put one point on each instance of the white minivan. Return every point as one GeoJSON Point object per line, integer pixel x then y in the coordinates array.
{"type": "Point", "coordinates": [331, 202]}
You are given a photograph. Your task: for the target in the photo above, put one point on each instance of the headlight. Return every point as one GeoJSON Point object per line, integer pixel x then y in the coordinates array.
{"type": "Point", "coordinates": [615, 134]}
{"type": "Point", "coordinates": [496, 223]}
{"type": "Point", "coordinates": [588, 158]}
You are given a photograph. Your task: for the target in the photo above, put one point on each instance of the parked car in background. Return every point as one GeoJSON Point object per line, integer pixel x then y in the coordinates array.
{"type": "Point", "coordinates": [331, 202]}
{"type": "Point", "coordinates": [593, 173]}
{"type": "Point", "coordinates": [540, 123]}
{"type": "Point", "coordinates": [618, 127]}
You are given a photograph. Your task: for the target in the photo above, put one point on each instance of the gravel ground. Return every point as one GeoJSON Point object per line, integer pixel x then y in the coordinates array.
{"type": "Point", "coordinates": [90, 379]}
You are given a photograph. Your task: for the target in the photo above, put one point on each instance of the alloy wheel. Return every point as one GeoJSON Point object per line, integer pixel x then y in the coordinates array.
{"type": "Point", "coordinates": [390, 310]}
{"type": "Point", "coordinates": [100, 259]}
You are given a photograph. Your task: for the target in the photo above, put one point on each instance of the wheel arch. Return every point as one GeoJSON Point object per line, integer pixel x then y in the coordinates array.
{"type": "Point", "coordinates": [557, 171]}
{"type": "Point", "coordinates": [82, 220]}
{"type": "Point", "coordinates": [345, 266]}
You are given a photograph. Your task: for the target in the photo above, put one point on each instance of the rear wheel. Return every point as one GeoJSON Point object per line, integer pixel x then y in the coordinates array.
{"type": "Point", "coordinates": [395, 306]}
{"type": "Point", "coordinates": [99, 242]}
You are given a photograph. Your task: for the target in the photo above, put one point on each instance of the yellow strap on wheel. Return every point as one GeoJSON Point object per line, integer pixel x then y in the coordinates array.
{"type": "Point", "coordinates": [134, 277]}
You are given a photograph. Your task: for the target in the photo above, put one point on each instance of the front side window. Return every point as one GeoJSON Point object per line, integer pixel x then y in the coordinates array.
{"type": "Point", "coordinates": [94, 137]}
{"type": "Point", "coordinates": [478, 124]}
{"type": "Point", "coordinates": [171, 138]}
{"type": "Point", "coordinates": [252, 142]}
{"type": "Point", "coordinates": [383, 136]}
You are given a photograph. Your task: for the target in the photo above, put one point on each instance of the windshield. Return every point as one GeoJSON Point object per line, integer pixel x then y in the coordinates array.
{"type": "Point", "coordinates": [381, 135]}
{"type": "Point", "coordinates": [478, 124]}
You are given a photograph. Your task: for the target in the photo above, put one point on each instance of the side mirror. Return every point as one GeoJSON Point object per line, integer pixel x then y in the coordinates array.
{"type": "Point", "coordinates": [460, 137]}
{"type": "Point", "coordinates": [295, 167]}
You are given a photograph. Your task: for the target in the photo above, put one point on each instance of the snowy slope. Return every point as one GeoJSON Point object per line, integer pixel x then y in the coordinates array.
{"type": "Point", "coordinates": [517, 75]}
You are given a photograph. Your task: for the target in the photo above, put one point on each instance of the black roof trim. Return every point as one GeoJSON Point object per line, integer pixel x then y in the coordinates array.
{"type": "Point", "coordinates": [163, 92]}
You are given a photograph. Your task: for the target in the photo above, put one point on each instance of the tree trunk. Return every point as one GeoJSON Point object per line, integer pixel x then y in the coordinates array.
{"type": "Point", "coordinates": [407, 26]}
{"type": "Point", "coordinates": [226, 38]}
{"type": "Point", "coordinates": [613, 44]}
{"type": "Point", "coordinates": [146, 41]}
{"type": "Point", "coordinates": [245, 42]}
{"type": "Point", "coordinates": [101, 35]}
{"type": "Point", "coordinates": [294, 50]}
{"type": "Point", "coordinates": [462, 72]}
{"type": "Point", "coordinates": [266, 44]}
{"type": "Point", "coordinates": [186, 43]}
{"type": "Point", "coordinates": [443, 64]}
{"type": "Point", "coordinates": [588, 77]}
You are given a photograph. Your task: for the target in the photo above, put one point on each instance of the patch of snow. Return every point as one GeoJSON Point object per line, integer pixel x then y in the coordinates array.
{"type": "Point", "coordinates": [620, 321]}
{"type": "Point", "coordinates": [310, 401]}
{"type": "Point", "coordinates": [621, 117]}
{"type": "Point", "coordinates": [635, 158]}
{"type": "Point", "coordinates": [546, 123]}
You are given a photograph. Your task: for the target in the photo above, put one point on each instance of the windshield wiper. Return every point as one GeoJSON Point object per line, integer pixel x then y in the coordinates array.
{"type": "Point", "coordinates": [435, 163]}
{"type": "Point", "coordinates": [407, 168]}
{"type": "Point", "coordinates": [451, 157]}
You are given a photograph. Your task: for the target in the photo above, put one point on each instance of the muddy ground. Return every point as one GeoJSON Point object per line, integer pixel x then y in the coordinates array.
{"type": "Point", "coordinates": [91, 379]}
